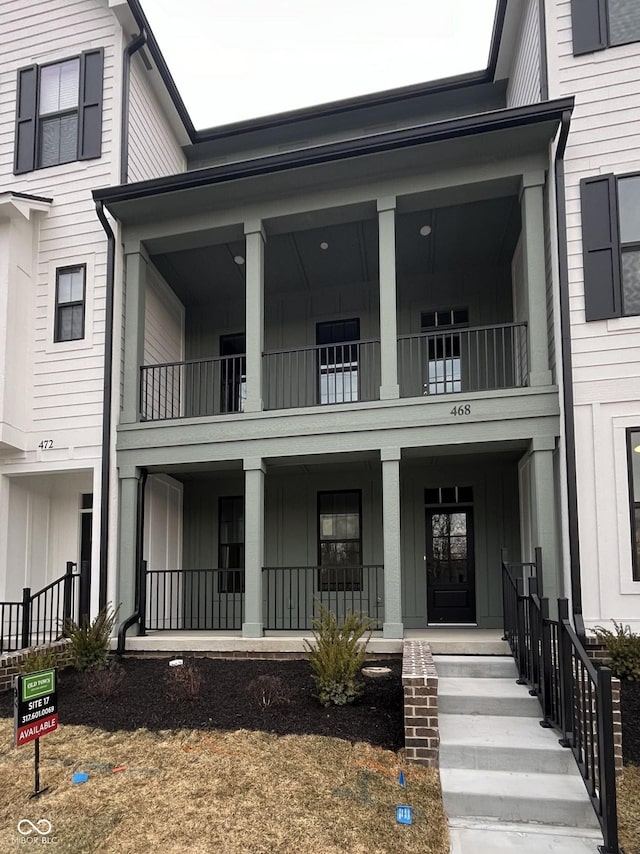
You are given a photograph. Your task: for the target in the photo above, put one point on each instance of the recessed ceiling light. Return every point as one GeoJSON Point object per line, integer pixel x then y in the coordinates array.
{"type": "Point", "coordinates": [425, 231]}
{"type": "Point", "coordinates": [324, 245]}
{"type": "Point", "coordinates": [239, 260]}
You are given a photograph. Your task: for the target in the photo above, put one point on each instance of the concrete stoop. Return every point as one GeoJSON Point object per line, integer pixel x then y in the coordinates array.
{"type": "Point", "coordinates": [507, 784]}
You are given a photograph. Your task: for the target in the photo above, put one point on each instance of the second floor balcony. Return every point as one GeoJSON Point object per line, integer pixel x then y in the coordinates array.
{"type": "Point", "coordinates": [460, 359]}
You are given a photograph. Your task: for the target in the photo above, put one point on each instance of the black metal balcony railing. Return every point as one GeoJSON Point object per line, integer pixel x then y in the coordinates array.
{"type": "Point", "coordinates": [323, 374]}
{"type": "Point", "coordinates": [290, 594]}
{"type": "Point", "coordinates": [192, 388]}
{"type": "Point", "coordinates": [178, 599]}
{"type": "Point", "coordinates": [39, 618]}
{"type": "Point", "coordinates": [460, 359]}
{"type": "Point", "coordinates": [575, 697]}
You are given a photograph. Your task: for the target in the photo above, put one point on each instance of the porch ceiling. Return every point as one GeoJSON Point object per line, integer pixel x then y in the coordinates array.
{"type": "Point", "coordinates": [480, 233]}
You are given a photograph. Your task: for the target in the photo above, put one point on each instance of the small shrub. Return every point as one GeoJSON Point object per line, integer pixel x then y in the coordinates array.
{"type": "Point", "coordinates": [336, 657]}
{"type": "Point", "coordinates": [184, 681]}
{"type": "Point", "coordinates": [623, 647]}
{"type": "Point", "coordinates": [90, 641]}
{"type": "Point", "coordinates": [268, 690]}
{"type": "Point", "coordinates": [103, 682]}
{"type": "Point", "coordinates": [38, 658]}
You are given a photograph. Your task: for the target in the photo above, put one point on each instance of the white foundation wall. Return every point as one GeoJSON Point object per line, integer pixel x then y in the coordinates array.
{"type": "Point", "coordinates": [604, 138]}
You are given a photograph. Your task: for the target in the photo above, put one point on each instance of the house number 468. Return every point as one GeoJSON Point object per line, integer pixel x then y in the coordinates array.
{"type": "Point", "coordinates": [463, 409]}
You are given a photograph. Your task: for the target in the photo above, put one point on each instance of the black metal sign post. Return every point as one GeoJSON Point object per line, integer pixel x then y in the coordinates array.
{"type": "Point", "coordinates": [35, 713]}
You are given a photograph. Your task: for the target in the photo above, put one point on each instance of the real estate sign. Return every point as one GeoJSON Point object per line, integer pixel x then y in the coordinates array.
{"type": "Point", "coordinates": [35, 705]}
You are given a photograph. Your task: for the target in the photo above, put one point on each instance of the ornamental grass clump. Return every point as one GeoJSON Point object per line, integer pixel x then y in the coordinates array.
{"type": "Point", "coordinates": [337, 656]}
{"type": "Point", "coordinates": [623, 648]}
{"type": "Point", "coordinates": [91, 641]}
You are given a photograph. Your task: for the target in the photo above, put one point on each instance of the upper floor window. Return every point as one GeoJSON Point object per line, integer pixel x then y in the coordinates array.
{"type": "Point", "coordinates": [598, 24]}
{"type": "Point", "coordinates": [59, 112]}
{"type": "Point", "coordinates": [633, 438]}
{"type": "Point", "coordinates": [70, 301]}
{"type": "Point", "coordinates": [611, 245]}
{"type": "Point", "coordinates": [444, 350]}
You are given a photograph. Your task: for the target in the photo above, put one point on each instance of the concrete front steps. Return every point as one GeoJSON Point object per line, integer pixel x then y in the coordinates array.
{"type": "Point", "coordinates": [501, 772]}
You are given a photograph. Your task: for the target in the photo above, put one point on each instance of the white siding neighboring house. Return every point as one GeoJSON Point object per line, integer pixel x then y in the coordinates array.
{"type": "Point", "coordinates": [604, 140]}
{"type": "Point", "coordinates": [53, 260]}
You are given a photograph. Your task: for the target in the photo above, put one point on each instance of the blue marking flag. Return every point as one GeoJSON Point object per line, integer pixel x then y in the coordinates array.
{"type": "Point", "coordinates": [404, 815]}
{"type": "Point", "coordinates": [401, 779]}
{"type": "Point", "coordinates": [80, 777]}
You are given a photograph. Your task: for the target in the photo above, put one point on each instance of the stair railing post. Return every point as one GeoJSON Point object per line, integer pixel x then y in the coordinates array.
{"type": "Point", "coordinates": [521, 631]}
{"type": "Point", "coordinates": [547, 664]}
{"type": "Point", "coordinates": [505, 600]}
{"type": "Point", "coordinates": [67, 592]}
{"type": "Point", "coordinates": [84, 597]}
{"type": "Point", "coordinates": [26, 618]}
{"type": "Point", "coordinates": [538, 561]}
{"type": "Point", "coordinates": [606, 762]}
{"type": "Point", "coordinates": [566, 675]}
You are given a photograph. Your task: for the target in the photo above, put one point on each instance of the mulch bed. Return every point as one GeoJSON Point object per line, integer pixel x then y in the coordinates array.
{"type": "Point", "coordinates": [228, 700]}
{"type": "Point", "coordinates": [630, 708]}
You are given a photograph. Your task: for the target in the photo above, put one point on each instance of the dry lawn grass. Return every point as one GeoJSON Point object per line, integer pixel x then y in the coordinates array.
{"type": "Point", "coordinates": [191, 791]}
{"type": "Point", "coordinates": [629, 809]}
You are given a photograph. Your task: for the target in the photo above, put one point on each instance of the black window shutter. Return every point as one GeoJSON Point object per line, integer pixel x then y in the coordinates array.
{"type": "Point", "coordinates": [600, 247]}
{"type": "Point", "coordinates": [589, 25]}
{"type": "Point", "coordinates": [26, 120]}
{"type": "Point", "coordinates": [90, 107]}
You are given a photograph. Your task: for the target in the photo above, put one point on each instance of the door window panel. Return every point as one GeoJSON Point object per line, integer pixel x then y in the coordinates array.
{"type": "Point", "coordinates": [338, 361]}
{"type": "Point", "coordinates": [340, 541]}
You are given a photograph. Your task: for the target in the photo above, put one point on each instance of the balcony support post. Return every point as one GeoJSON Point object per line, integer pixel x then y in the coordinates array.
{"type": "Point", "coordinates": [543, 518]}
{"type": "Point", "coordinates": [254, 472]}
{"type": "Point", "coordinates": [389, 388]}
{"type": "Point", "coordinates": [133, 357]}
{"type": "Point", "coordinates": [392, 626]}
{"type": "Point", "coordinates": [255, 239]}
{"type": "Point", "coordinates": [534, 272]}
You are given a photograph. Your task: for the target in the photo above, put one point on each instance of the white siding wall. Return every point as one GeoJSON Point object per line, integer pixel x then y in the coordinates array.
{"type": "Point", "coordinates": [524, 82]}
{"type": "Point", "coordinates": [153, 148]}
{"type": "Point", "coordinates": [605, 137]}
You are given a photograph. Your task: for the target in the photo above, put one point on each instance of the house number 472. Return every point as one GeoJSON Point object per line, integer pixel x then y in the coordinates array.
{"type": "Point", "coordinates": [46, 444]}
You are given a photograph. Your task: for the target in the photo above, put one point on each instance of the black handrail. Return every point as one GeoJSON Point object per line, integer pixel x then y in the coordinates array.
{"type": "Point", "coordinates": [40, 617]}
{"type": "Point", "coordinates": [575, 696]}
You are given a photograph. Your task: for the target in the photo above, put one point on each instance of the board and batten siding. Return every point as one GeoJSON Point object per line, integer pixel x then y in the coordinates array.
{"type": "Point", "coordinates": [154, 150]}
{"type": "Point", "coordinates": [604, 138]}
{"type": "Point", "coordinates": [164, 322]}
{"type": "Point", "coordinates": [524, 81]}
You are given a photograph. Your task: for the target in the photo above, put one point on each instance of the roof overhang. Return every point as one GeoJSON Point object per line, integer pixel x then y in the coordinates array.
{"type": "Point", "coordinates": [468, 140]}
{"type": "Point", "coordinates": [22, 205]}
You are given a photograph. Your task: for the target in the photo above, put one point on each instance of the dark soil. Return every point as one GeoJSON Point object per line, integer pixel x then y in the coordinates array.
{"type": "Point", "coordinates": [630, 708]}
{"type": "Point", "coordinates": [228, 700]}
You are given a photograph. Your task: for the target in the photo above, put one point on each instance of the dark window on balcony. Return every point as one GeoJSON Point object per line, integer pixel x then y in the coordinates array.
{"type": "Point", "coordinates": [340, 540]}
{"type": "Point", "coordinates": [444, 363]}
{"type": "Point", "coordinates": [338, 361]}
{"type": "Point", "coordinates": [231, 544]}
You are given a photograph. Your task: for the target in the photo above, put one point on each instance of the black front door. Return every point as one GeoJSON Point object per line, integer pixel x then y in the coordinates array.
{"type": "Point", "coordinates": [450, 569]}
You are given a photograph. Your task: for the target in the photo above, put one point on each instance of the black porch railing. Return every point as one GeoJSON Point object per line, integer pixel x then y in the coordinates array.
{"type": "Point", "coordinates": [290, 593]}
{"type": "Point", "coordinates": [462, 359]}
{"type": "Point", "coordinates": [193, 388]}
{"type": "Point", "coordinates": [321, 375]}
{"type": "Point", "coordinates": [40, 617]}
{"type": "Point", "coordinates": [575, 696]}
{"type": "Point", "coordinates": [179, 599]}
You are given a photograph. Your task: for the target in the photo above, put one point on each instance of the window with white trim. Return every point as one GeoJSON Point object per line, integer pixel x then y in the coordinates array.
{"type": "Point", "coordinates": [70, 303]}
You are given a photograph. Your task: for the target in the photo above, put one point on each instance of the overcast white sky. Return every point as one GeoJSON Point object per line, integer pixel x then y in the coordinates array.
{"type": "Point", "coordinates": [239, 59]}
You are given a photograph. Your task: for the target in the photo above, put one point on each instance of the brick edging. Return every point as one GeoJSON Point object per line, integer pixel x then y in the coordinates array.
{"type": "Point", "coordinates": [10, 662]}
{"type": "Point", "coordinates": [420, 687]}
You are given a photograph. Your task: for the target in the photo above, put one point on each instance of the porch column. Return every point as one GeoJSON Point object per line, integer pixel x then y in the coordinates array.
{"type": "Point", "coordinates": [543, 513]}
{"type": "Point", "coordinates": [128, 520]}
{"type": "Point", "coordinates": [532, 206]}
{"type": "Point", "coordinates": [389, 389]}
{"type": "Point", "coordinates": [134, 312]}
{"type": "Point", "coordinates": [392, 627]}
{"type": "Point", "coordinates": [254, 471]}
{"type": "Point", "coordinates": [254, 327]}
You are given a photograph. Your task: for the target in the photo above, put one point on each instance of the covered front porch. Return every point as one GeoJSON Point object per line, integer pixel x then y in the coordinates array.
{"type": "Point", "coordinates": [410, 537]}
